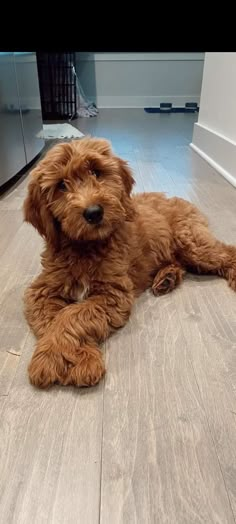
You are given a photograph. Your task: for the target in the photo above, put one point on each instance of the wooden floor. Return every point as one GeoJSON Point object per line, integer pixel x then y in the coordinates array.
{"type": "Point", "coordinates": [155, 442]}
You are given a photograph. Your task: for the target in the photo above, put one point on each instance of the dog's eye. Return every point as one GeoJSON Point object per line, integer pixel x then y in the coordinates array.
{"type": "Point", "coordinates": [96, 173]}
{"type": "Point", "coordinates": [62, 185]}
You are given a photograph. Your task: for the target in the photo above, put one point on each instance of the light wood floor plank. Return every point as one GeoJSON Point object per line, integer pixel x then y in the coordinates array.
{"type": "Point", "coordinates": [50, 453]}
{"type": "Point", "coordinates": [159, 462]}
{"type": "Point", "coordinates": [211, 340]}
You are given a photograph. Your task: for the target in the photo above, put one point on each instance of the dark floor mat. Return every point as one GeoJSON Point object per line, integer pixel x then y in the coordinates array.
{"type": "Point", "coordinates": [171, 110]}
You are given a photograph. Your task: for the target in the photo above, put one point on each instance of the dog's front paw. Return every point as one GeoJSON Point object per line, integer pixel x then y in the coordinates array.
{"type": "Point", "coordinates": [89, 368]}
{"type": "Point", "coordinates": [48, 365]}
{"type": "Point", "coordinates": [45, 369]}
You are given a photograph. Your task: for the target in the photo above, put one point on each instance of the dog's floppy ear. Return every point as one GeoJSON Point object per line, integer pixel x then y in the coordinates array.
{"type": "Point", "coordinates": [126, 175]}
{"type": "Point", "coordinates": [128, 182]}
{"type": "Point", "coordinates": [36, 212]}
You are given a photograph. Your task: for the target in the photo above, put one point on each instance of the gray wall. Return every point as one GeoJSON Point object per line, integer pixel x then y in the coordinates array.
{"type": "Point", "coordinates": [27, 79]}
{"type": "Point", "coordinates": [140, 79]}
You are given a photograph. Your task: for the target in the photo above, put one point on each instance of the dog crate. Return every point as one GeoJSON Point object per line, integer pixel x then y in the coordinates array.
{"type": "Point", "coordinates": [57, 83]}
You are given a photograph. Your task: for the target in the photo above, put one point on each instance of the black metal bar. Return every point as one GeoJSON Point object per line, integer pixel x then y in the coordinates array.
{"type": "Point", "coordinates": [57, 85]}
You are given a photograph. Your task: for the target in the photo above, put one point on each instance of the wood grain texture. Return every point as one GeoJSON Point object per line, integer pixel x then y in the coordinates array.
{"type": "Point", "coordinates": [9, 225]}
{"type": "Point", "coordinates": [159, 462]}
{"type": "Point", "coordinates": [23, 251]}
{"type": "Point", "coordinates": [50, 453]}
{"type": "Point", "coordinates": [13, 326]}
{"type": "Point", "coordinates": [211, 338]}
{"type": "Point", "coordinates": [8, 367]}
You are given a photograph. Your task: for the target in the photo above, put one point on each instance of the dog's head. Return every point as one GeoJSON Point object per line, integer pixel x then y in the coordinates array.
{"type": "Point", "coordinates": [79, 188]}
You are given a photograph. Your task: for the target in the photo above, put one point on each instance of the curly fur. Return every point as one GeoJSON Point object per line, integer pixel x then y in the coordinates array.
{"type": "Point", "coordinates": [93, 273]}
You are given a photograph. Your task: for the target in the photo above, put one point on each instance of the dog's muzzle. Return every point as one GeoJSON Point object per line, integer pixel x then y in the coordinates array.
{"type": "Point", "coordinates": [93, 214]}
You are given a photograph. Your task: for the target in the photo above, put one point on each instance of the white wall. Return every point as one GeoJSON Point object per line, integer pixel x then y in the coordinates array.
{"type": "Point", "coordinates": [140, 79]}
{"type": "Point", "coordinates": [214, 135]}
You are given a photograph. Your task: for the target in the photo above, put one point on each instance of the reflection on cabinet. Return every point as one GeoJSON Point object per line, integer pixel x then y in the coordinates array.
{"type": "Point", "coordinates": [20, 113]}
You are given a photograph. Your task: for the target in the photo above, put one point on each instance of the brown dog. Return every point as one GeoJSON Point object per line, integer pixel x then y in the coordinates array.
{"type": "Point", "coordinates": [103, 248]}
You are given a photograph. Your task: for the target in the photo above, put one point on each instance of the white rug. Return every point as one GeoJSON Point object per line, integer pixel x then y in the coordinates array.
{"type": "Point", "coordinates": [51, 131]}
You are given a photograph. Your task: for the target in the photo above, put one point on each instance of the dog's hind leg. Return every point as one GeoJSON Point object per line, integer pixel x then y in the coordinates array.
{"type": "Point", "coordinates": [201, 252]}
{"type": "Point", "coordinates": [167, 279]}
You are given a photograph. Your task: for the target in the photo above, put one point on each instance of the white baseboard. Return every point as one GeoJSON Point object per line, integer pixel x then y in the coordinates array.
{"type": "Point", "coordinates": [117, 102]}
{"type": "Point", "coordinates": [218, 150]}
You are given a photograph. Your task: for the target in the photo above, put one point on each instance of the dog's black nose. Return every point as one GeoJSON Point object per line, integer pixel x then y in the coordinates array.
{"type": "Point", "coordinates": [93, 214]}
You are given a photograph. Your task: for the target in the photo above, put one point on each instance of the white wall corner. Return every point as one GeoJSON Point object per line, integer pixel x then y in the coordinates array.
{"type": "Point", "coordinates": [218, 150]}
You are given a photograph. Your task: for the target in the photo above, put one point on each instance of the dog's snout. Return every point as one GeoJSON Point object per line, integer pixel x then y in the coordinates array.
{"type": "Point", "coordinates": [93, 214]}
